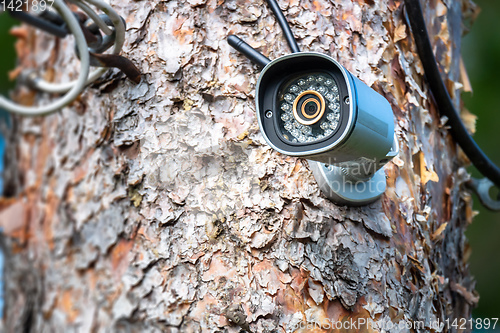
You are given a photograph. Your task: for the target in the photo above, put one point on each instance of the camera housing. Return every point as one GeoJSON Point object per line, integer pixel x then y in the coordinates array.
{"type": "Point", "coordinates": [310, 106]}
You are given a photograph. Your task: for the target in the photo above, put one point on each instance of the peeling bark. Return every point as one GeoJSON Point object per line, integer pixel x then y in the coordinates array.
{"type": "Point", "coordinates": [159, 207]}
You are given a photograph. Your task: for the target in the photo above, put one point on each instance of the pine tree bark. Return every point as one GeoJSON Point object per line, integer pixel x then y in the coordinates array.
{"type": "Point", "coordinates": [158, 207]}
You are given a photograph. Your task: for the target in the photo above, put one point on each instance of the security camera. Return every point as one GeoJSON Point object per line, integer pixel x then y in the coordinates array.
{"type": "Point", "coordinates": [310, 106]}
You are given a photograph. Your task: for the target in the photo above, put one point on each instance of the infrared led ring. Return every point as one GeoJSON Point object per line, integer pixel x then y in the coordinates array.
{"type": "Point", "coordinates": [310, 108]}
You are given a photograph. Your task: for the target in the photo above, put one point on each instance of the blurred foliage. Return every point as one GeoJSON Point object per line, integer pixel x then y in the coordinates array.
{"type": "Point", "coordinates": [7, 53]}
{"type": "Point", "coordinates": [481, 52]}
{"type": "Point", "coordinates": [7, 63]}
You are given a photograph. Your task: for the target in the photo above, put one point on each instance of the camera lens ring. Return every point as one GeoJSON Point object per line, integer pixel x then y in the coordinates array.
{"type": "Point", "coordinates": [314, 117]}
{"type": "Point", "coordinates": [314, 109]}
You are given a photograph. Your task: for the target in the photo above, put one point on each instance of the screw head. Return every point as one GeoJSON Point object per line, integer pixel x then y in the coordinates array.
{"type": "Point", "coordinates": [269, 114]}
{"type": "Point", "coordinates": [346, 100]}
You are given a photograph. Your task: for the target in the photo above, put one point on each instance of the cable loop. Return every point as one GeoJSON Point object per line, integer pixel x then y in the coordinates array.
{"type": "Point", "coordinates": [89, 46]}
{"type": "Point", "coordinates": [78, 85]}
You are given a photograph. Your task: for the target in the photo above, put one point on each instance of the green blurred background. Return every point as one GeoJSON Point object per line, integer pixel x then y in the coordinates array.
{"type": "Point", "coordinates": [7, 63]}
{"type": "Point", "coordinates": [481, 51]}
{"type": "Point", "coordinates": [7, 53]}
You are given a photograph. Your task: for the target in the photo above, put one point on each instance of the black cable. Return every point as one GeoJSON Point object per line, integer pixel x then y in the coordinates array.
{"type": "Point", "coordinates": [443, 99]}
{"type": "Point", "coordinates": [45, 25]}
{"type": "Point", "coordinates": [284, 25]}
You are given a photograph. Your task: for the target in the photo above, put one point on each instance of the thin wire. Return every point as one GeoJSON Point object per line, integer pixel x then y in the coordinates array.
{"type": "Point", "coordinates": [284, 25]}
{"type": "Point", "coordinates": [117, 23]}
{"type": "Point", "coordinates": [95, 17]}
{"type": "Point", "coordinates": [443, 99]}
{"type": "Point", "coordinates": [79, 85]}
{"type": "Point", "coordinates": [119, 29]}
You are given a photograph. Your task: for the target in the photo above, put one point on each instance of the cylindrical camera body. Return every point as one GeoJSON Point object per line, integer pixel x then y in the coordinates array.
{"type": "Point", "coordinates": [310, 106]}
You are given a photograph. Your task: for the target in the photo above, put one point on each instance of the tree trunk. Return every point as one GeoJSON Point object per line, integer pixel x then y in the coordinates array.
{"type": "Point", "coordinates": [159, 207]}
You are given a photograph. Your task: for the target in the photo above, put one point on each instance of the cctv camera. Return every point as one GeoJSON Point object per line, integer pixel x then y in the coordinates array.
{"type": "Point", "coordinates": [310, 106]}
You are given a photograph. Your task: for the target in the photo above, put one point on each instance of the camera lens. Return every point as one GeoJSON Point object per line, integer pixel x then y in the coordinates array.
{"type": "Point", "coordinates": [309, 108]}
